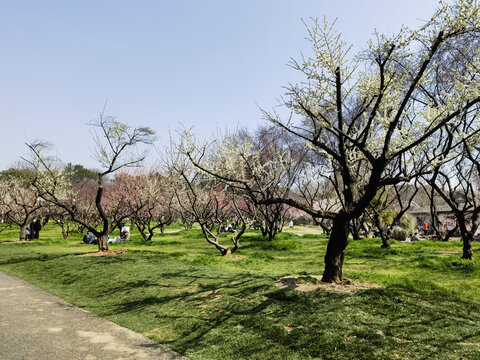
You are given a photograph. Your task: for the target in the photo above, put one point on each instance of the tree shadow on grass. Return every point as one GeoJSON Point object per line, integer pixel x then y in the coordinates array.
{"type": "Point", "coordinates": [19, 259]}
{"type": "Point", "coordinates": [245, 314]}
{"type": "Point", "coordinates": [210, 302]}
{"type": "Point", "coordinates": [105, 260]}
{"type": "Point", "coordinates": [394, 319]}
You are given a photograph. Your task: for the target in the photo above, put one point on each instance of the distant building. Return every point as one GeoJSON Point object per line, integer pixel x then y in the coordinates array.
{"type": "Point", "coordinates": [423, 215]}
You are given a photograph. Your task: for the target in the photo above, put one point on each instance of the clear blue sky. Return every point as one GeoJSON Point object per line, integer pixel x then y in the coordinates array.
{"type": "Point", "coordinates": [159, 62]}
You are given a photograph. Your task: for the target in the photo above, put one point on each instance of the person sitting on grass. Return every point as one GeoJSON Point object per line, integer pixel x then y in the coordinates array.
{"type": "Point", "coordinates": [89, 238]}
{"type": "Point", "coordinates": [415, 237]}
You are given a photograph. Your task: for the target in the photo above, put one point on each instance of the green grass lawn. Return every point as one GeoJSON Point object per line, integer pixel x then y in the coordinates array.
{"type": "Point", "coordinates": [178, 291]}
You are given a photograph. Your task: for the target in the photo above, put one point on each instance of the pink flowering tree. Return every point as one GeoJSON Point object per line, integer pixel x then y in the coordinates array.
{"type": "Point", "coordinates": [147, 200]}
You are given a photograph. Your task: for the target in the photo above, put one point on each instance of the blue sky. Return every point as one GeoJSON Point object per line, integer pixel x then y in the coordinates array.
{"type": "Point", "coordinates": [207, 64]}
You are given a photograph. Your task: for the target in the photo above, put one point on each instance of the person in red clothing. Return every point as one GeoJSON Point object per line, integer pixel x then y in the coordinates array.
{"type": "Point", "coordinates": [425, 229]}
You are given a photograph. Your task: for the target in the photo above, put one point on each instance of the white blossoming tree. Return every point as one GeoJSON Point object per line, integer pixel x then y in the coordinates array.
{"type": "Point", "coordinates": [372, 118]}
{"type": "Point", "coordinates": [20, 202]}
{"type": "Point", "coordinates": [208, 201]}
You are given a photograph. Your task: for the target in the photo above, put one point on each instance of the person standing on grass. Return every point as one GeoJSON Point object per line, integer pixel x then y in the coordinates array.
{"type": "Point", "coordinates": [37, 226]}
{"type": "Point", "coordinates": [425, 229]}
{"type": "Point", "coordinates": [32, 229]}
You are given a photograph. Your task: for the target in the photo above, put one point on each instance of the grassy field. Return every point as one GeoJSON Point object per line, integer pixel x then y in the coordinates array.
{"type": "Point", "coordinates": [178, 291]}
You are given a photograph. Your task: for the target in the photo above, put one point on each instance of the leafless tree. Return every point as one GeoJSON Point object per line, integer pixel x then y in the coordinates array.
{"type": "Point", "coordinates": [116, 147]}
{"type": "Point", "coordinates": [209, 202]}
{"type": "Point", "coordinates": [455, 180]}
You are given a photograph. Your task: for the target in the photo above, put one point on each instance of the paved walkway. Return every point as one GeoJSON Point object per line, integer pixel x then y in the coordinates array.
{"type": "Point", "coordinates": [39, 326]}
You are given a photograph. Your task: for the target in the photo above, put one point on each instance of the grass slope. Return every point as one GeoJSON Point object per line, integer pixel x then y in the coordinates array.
{"type": "Point", "coordinates": [178, 291]}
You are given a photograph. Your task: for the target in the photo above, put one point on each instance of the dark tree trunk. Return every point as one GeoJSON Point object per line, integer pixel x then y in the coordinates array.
{"type": "Point", "coordinates": [385, 242]}
{"type": "Point", "coordinates": [450, 233]}
{"type": "Point", "coordinates": [102, 243]}
{"type": "Point", "coordinates": [23, 231]}
{"type": "Point", "coordinates": [65, 234]}
{"type": "Point", "coordinates": [467, 247]}
{"type": "Point", "coordinates": [271, 234]}
{"type": "Point", "coordinates": [141, 230]}
{"type": "Point", "coordinates": [467, 237]}
{"type": "Point", "coordinates": [224, 250]}
{"type": "Point", "coordinates": [384, 235]}
{"type": "Point", "coordinates": [150, 234]}
{"type": "Point", "coordinates": [326, 228]}
{"type": "Point", "coordinates": [270, 231]}
{"type": "Point", "coordinates": [355, 231]}
{"type": "Point", "coordinates": [336, 250]}
{"type": "Point", "coordinates": [263, 230]}
{"type": "Point", "coordinates": [214, 240]}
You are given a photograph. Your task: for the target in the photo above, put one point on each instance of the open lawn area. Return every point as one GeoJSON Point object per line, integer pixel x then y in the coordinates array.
{"type": "Point", "coordinates": [179, 291]}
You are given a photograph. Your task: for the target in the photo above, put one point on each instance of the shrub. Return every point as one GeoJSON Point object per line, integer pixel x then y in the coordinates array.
{"type": "Point", "coordinates": [408, 223]}
{"type": "Point", "coordinates": [399, 233]}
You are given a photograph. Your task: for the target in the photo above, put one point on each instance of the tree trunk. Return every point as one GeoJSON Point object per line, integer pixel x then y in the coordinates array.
{"type": "Point", "coordinates": [263, 231]}
{"type": "Point", "coordinates": [102, 243]}
{"type": "Point", "coordinates": [65, 229]}
{"type": "Point", "coordinates": [271, 235]}
{"type": "Point", "coordinates": [467, 247]}
{"type": "Point", "coordinates": [355, 231]}
{"type": "Point", "coordinates": [224, 251]}
{"type": "Point", "coordinates": [141, 230]}
{"type": "Point", "coordinates": [385, 242]}
{"type": "Point", "coordinates": [450, 233]}
{"type": "Point", "coordinates": [326, 229]}
{"type": "Point", "coordinates": [467, 237]}
{"type": "Point", "coordinates": [23, 231]}
{"type": "Point", "coordinates": [336, 250]}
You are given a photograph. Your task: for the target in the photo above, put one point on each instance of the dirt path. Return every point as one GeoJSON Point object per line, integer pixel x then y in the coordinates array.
{"type": "Point", "coordinates": [300, 230]}
{"type": "Point", "coordinates": [37, 325]}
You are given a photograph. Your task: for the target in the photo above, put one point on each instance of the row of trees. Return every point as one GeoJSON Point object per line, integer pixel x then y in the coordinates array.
{"type": "Point", "coordinates": [364, 133]}
{"type": "Point", "coordinates": [101, 201]}
{"type": "Point", "coordinates": [149, 200]}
